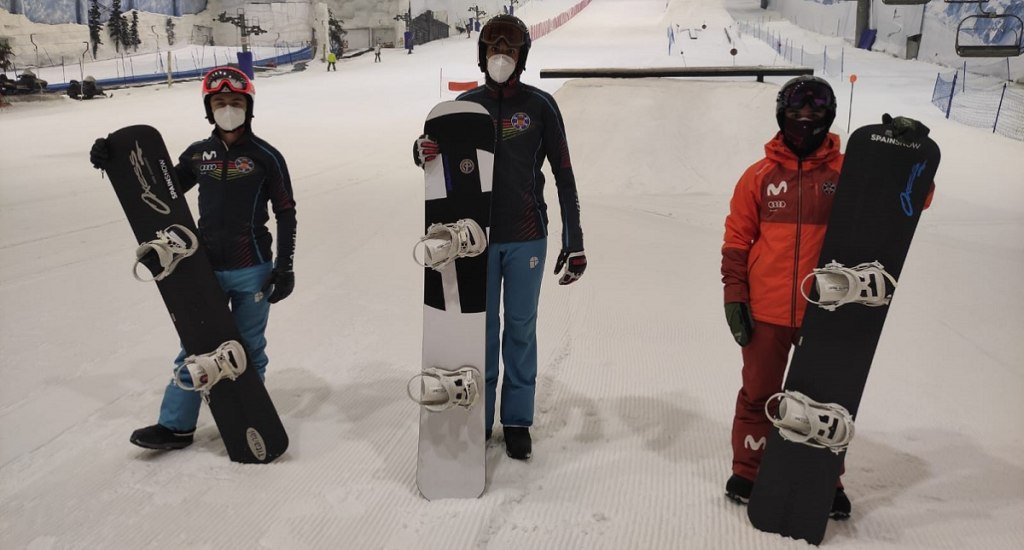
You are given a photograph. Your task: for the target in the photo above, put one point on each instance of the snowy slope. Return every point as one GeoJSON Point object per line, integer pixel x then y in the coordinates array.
{"type": "Point", "coordinates": [638, 373]}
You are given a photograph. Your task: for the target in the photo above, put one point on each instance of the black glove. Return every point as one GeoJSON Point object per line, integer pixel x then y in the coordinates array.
{"type": "Point", "coordinates": [741, 323]}
{"type": "Point", "coordinates": [577, 265]}
{"type": "Point", "coordinates": [99, 155]}
{"type": "Point", "coordinates": [280, 285]}
{"type": "Point", "coordinates": [906, 129]}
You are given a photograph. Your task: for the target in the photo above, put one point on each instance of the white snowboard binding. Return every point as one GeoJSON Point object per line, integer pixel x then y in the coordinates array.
{"type": "Point", "coordinates": [441, 389]}
{"type": "Point", "coordinates": [862, 284]}
{"type": "Point", "coordinates": [227, 361]}
{"type": "Point", "coordinates": [171, 246]}
{"type": "Point", "coordinates": [446, 242]}
{"type": "Point", "coordinates": [802, 420]}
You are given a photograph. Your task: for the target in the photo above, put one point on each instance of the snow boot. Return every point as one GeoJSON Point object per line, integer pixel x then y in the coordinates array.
{"type": "Point", "coordinates": [518, 444]}
{"type": "Point", "coordinates": [161, 438]}
{"type": "Point", "coordinates": [840, 505]}
{"type": "Point", "coordinates": [738, 489]}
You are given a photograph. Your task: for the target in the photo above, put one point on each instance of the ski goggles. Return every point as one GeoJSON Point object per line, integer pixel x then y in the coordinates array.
{"type": "Point", "coordinates": [810, 93]}
{"type": "Point", "coordinates": [513, 34]}
{"type": "Point", "coordinates": [227, 79]}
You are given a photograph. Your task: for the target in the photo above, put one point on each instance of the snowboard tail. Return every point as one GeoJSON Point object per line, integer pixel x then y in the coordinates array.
{"type": "Point", "coordinates": [144, 180]}
{"type": "Point", "coordinates": [881, 192]}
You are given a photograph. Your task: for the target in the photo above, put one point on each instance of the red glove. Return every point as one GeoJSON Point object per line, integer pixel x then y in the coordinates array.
{"type": "Point", "coordinates": [425, 150]}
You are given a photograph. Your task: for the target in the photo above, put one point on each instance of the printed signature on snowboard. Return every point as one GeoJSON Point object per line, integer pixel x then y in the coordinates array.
{"type": "Point", "coordinates": [148, 196]}
{"type": "Point", "coordinates": [915, 172]}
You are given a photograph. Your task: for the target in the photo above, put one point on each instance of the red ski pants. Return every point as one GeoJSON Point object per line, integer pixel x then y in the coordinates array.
{"type": "Point", "coordinates": [764, 369]}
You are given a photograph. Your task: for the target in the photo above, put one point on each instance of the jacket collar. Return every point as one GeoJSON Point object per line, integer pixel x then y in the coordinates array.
{"type": "Point", "coordinates": [777, 151]}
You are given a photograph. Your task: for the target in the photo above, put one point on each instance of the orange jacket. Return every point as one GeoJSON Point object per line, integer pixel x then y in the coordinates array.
{"type": "Point", "coordinates": [775, 228]}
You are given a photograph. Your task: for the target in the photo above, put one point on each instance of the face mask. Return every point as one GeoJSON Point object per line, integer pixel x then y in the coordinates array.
{"type": "Point", "coordinates": [500, 67]}
{"type": "Point", "coordinates": [804, 137]}
{"type": "Point", "coordinates": [229, 118]}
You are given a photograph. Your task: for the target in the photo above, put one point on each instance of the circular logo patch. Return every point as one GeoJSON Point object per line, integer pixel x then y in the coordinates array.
{"type": "Point", "coordinates": [467, 166]}
{"type": "Point", "coordinates": [829, 188]}
{"type": "Point", "coordinates": [520, 121]}
{"type": "Point", "coordinates": [244, 164]}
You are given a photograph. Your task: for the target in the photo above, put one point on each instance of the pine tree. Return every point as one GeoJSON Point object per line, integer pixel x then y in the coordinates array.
{"type": "Point", "coordinates": [133, 33]}
{"type": "Point", "coordinates": [6, 53]}
{"type": "Point", "coordinates": [169, 25]}
{"type": "Point", "coordinates": [115, 25]}
{"type": "Point", "coordinates": [94, 26]}
{"type": "Point", "coordinates": [335, 30]}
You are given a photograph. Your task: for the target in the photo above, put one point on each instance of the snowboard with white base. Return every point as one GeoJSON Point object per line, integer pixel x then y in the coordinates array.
{"type": "Point", "coordinates": [450, 388]}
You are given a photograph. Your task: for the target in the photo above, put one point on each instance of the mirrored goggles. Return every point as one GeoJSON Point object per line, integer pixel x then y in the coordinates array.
{"type": "Point", "coordinates": [512, 34]}
{"type": "Point", "coordinates": [235, 81]}
{"type": "Point", "coordinates": [814, 94]}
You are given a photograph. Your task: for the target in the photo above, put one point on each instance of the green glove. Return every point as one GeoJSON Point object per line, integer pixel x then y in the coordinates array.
{"type": "Point", "coordinates": [741, 323]}
{"type": "Point", "coordinates": [906, 129]}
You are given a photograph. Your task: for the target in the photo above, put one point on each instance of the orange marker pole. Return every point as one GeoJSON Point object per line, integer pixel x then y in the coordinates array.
{"type": "Point", "coordinates": [849, 117]}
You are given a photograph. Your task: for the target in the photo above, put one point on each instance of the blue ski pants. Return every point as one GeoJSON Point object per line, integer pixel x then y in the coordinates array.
{"type": "Point", "coordinates": [179, 410]}
{"type": "Point", "coordinates": [514, 274]}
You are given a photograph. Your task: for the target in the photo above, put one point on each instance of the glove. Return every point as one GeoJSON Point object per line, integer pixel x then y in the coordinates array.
{"type": "Point", "coordinates": [425, 150]}
{"type": "Point", "coordinates": [906, 129]}
{"type": "Point", "coordinates": [577, 264]}
{"type": "Point", "coordinates": [99, 155]}
{"type": "Point", "coordinates": [741, 323]}
{"type": "Point", "coordinates": [282, 284]}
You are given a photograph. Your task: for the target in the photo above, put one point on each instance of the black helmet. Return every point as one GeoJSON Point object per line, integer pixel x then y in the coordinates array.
{"type": "Point", "coordinates": [802, 90]}
{"type": "Point", "coordinates": [804, 137]}
{"type": "Point", "coordinates": [510, 29]}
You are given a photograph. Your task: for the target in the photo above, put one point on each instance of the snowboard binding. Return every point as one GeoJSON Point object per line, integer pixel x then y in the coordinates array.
{"type": "Point", "coordinates": [800, 419]}
{"type": "Point", "coordinates": [861, 284]}
{"type": "Point", "coordinates": [441, 389]}
{"type": "Point", "coordinates": [171, 246]}
{"type": "Point", "coordinates": [446, 242]}
{"type": "Point", "coordinates": [227, 361]}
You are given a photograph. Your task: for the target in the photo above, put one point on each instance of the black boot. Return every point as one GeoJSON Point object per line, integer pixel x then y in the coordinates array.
{"type": "Point", "coordinates": [161, 438]}
{"type": "Point", "coordinates": [518, 444]}
{"type": "Point", "coordinates": [841, 506]}
{"type": "Point", "coordinates": [738, 489]}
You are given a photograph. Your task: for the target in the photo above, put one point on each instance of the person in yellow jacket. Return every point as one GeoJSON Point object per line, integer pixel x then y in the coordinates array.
{"type": "Point", "coordinates": [331, 60]}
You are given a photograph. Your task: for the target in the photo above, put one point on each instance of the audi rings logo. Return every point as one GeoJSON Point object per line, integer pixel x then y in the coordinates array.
{"type": "Point", "coordinates": [467, 166]}
{"type": "Point", "coordinates": [776, 205]}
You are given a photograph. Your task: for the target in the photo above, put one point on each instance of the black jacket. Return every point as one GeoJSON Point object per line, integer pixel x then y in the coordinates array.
{"type": "Point", "coordinates": [530, 129]}
{"type": "Point", "coordinates": [235, 186]}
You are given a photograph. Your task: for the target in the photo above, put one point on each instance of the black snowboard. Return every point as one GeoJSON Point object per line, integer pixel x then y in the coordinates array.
{"type": "Point", "coordinates": [143, 177]}
{"type": "Point", "coordinates": [879, 198]}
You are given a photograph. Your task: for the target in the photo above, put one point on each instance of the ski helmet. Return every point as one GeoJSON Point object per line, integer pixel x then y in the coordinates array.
{"type": "Point", "coordinates": [509, 29]}
{"type": "Point", "coordinates": [805, 137]}
{"type": "Point", "coordinates": [224, 80]}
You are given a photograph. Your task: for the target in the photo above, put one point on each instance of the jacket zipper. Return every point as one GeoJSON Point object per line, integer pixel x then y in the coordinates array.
{"type": "Point", "coordinates": [796, 251]}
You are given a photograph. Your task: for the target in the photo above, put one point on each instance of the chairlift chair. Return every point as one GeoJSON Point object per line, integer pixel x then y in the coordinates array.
{"type": "Point", "coordinates": [1012, 49]}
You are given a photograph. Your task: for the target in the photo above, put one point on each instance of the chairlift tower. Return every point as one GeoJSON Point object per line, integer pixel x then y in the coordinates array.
{"type": "Point", "coordinates": [245, 29]}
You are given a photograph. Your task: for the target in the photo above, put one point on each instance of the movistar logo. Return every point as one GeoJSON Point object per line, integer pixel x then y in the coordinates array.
{"type": "Point", "coordinates": [755, 444]}
{"type": "Point", "coordinates": [776, 190]}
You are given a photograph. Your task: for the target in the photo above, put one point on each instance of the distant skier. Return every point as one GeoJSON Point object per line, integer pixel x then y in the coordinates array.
{"type": "Point", "coordinates": [331, 60]}
{"type": "Point", "coordinates": [530, 128]}
{"type": "Point", "coordinates": [376, 53]}
{"type": "Point", "coordinates": [238, 174]}
{"type": "Point", "coordinates": [773, 236]}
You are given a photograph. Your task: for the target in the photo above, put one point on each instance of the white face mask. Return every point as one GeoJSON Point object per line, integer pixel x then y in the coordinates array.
{"type": "Point", "coordinates": [500, 67]}
{"type": "Point", "coordinates": [229, 118]}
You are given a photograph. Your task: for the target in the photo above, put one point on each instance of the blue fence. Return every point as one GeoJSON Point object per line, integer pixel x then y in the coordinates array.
{"type": "Point", "coordinates": [128, 80]}
{"type": "Point", "coordinates": [986, 103]}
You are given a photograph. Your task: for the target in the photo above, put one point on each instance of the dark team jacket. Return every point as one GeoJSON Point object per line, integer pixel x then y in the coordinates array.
{"type": "Point", "coordinates": [530, 128]}
{"type": "Point", "coordinates": [235, 186]}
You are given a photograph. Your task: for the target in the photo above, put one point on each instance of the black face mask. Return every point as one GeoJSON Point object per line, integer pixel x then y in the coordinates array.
{"type": "Point", "coordinates": [804, 137]}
